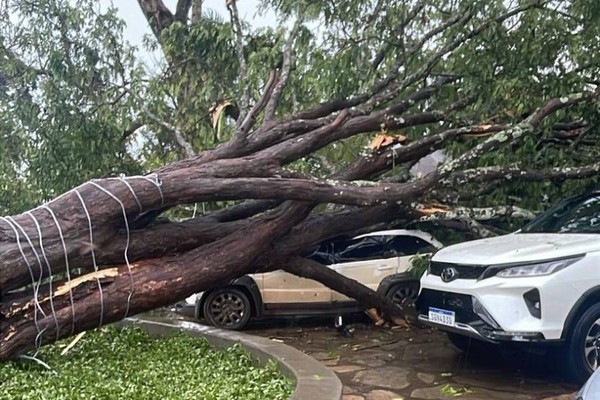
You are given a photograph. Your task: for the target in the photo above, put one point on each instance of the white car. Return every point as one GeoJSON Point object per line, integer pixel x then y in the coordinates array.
{"type": "Point", "coordinates": [380, 260]}
{"type": "Point", "coordinates": [538, 285]}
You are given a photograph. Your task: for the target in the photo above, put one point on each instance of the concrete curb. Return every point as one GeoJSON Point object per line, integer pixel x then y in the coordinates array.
{"type": "Point", "coordinates": [313, 379]}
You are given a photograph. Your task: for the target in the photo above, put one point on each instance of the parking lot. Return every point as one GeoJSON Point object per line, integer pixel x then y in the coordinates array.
{"type": "Point", "coordinates": [417, 363]}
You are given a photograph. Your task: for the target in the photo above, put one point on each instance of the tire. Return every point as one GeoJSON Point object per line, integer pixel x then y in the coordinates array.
{"type": "Point", "coordinates": [404, 294]}
{"type": "Point", "coordinates": [227, 308]}
{"type": "Point", "coordinates": [469, 345]}
{"type": "Point", "coordinates": [583, 354]}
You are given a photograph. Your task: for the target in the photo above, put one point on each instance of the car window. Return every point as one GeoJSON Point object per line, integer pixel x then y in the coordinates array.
{"type": "Point", "coordinates": [325, 252]}
{"type": "Point", "coordinates": [579, 214]}
{"type": "Point", "coordinates": [367, 248]}
{"type": "Point", "coordinates": [409, 245]}
{"type": "Point", "coordinates": [321, 254]}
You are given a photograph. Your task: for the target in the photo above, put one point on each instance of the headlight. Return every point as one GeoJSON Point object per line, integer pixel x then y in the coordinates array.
{"type": "Point", "coordinates": [538, 269]}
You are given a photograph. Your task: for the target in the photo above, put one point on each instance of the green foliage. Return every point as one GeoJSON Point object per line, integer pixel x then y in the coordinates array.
{"type": "Point", "coordinates": [64, 113]}
{"type": "Point", "coordinates": [129, 364]}
{"type": "Point", "coordinates": [419, 264]}
{"type": "Point", "coordinates": [203, 69]}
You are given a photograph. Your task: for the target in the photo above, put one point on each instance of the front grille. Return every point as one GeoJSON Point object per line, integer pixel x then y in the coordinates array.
{"type": "Point", "coordinates": [464, 271]}
{"type": "Point", "coordinates": [461, 304]}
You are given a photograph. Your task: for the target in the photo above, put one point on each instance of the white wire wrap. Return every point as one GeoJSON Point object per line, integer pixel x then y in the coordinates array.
{"type": "Point", "coordinates": [87, 214]}
{"type": "Point", "coordinates": [67, 269]}
{"type": "Point", "coordinates": [39, 230]}
{"type": "Point", "coordinates": [125, 253]}
{"type": "Point", "coordinates": [35, 287]}
{"type": "Point", "coordinates": [156, 182]}
{"type": "Point", "coordinates": [38, 339]}
{"type": "Point", "coordinates": [133, 194]}
{"type": "Point", "coordinates": [37, 360]}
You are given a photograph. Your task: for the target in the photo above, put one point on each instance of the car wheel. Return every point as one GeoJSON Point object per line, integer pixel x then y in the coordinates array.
{"type": "Point", "coordinates": [227, 308]}
{"type": "Point", "coordinates": [583, 350]}
{"type": "Point", "coordinates": [469, 345]}
{"type": "Point", "coordinates": [404, 294]}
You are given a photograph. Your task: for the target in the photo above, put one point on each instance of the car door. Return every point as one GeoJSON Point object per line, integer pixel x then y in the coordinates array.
{"type": "Point", "coordinates": [365, 260]}
{"type": "Point", "coordinates": [280, 287]}
{"type": "Point", "coordinates": [406, 247]}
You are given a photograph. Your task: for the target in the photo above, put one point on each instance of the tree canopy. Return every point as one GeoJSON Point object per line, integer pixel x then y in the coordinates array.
{"type": "Point", "coordinates": [264, 129]}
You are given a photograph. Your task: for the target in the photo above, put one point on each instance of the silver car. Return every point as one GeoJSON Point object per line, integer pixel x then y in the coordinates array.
{"type": "Point", "coordinates": [591, 389]}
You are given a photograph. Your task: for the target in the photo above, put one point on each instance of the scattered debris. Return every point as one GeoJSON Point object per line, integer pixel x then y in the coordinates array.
{"type": "Point", "coordinates": [383, 140]}
{"type": "Point", "coordinates": [72, 343]}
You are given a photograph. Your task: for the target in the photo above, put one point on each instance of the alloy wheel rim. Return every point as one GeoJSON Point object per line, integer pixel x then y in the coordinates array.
{"type": "Point", "coordinates": [404, 294]}
{"type": "Point", "coordinates": [227, 309]}
{"type": "Point", "coordinates": [592, 346]}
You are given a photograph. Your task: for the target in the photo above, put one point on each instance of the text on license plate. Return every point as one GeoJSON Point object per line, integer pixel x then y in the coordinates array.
{"type": "Point", "coordinates": [443, 317]}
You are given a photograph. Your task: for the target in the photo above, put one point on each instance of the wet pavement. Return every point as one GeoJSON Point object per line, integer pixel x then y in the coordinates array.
{"type": "Point", "coordinates": [417, 363]}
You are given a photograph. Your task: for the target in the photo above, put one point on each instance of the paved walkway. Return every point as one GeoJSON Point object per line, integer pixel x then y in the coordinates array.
{"type": "Point", "coordinates": [386, 364]}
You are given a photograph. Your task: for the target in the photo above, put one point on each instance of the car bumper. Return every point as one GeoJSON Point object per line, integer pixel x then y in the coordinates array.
{"type": "Point", "coordinates": [500, 309]}
{"type": "Point", "coordinates": [460, 328]}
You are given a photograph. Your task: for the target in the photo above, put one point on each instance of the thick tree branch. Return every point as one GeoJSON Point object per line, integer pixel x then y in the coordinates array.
{"type": "Point", "coordinates": [250, 119]}
{"type": "Point", "coordinates": [195, 189]}
{"type": "Point", "coordinates": [367, 297]}
{"type": "Point", "coordinates": [286, 67]}
{"type": "Point", "coordinates": [196, 11]}
{"type": "Point", "coordinates": [381, 160]}
{"type": "Point", "coordinates": [487, 174]}
{"type": "Point", "coordinates": [182, 10]}
{"type": "Point", "coordinates": [526, 127]}
{"type": "Point", "coordinates": [477, 213]}
{"type": "Point", "coordinates": [158, 16]}
{"type": "Point", "coordinates": [239, 47]}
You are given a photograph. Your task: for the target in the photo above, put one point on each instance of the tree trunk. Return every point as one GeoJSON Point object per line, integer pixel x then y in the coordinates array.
{"type": "Point", "coordinates": [77, 304]}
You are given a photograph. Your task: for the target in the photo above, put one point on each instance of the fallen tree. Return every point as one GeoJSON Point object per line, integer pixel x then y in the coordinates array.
{"type": "Point", "coordinates": [99, 252]}
{"type": "Point", "coordinates": [51, 249]}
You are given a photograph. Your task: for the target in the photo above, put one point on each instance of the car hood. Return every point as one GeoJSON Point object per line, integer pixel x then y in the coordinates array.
{"type": "Point", "coordinates": [519, 247]}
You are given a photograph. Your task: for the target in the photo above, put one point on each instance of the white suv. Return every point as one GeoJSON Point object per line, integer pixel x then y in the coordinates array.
{"type": "Point", "coordinates": [538, 285]}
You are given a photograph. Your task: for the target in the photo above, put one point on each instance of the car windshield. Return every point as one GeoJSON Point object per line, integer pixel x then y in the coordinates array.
{"type": "Point", "coordinates": [579, 214]}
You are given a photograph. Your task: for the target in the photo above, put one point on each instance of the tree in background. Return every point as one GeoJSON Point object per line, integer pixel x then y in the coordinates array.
{"type": "Point", "coordinates": [265, 128]}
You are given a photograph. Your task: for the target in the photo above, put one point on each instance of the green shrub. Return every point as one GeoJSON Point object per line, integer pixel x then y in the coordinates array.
{"type": "Point", "coordinates": [129, 364]}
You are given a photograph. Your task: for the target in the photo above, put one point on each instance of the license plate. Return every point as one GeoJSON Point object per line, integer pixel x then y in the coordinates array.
{"type": "Point", "coordinates": [443, 317]}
